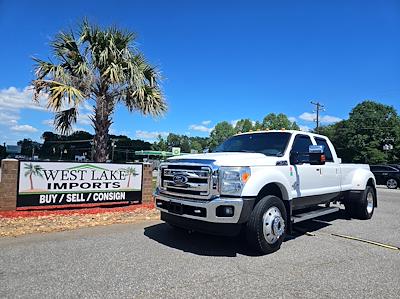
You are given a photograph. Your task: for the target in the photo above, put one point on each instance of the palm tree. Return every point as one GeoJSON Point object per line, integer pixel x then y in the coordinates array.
{"type": "Point", "coordinates": [102, 67]}
{"type": "Point", "coordinates": [32, 170]}
{"type": "Point", "coordinates": [131, 171]}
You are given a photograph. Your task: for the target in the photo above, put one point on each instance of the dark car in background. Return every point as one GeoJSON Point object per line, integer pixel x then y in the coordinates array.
{"type": "Point", "coordinates": [388, 175]}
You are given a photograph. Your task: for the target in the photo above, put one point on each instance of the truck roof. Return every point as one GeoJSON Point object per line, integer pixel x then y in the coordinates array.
{"type": "Point", "coordinates": [281, 131]}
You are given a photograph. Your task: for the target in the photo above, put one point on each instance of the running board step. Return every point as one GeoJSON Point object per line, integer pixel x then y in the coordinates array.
{"type": "Point", "coordinates": [313, 214]}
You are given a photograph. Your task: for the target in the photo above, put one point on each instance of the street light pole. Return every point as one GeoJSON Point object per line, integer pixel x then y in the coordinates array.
{"type": "Point", "coordinates": [112, 150]}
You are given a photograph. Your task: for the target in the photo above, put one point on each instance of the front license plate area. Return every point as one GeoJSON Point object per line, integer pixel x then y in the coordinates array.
{"type": "Point", "coordinates": [175, 208]}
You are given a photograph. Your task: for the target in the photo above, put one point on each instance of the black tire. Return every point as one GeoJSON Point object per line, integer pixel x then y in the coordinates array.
{"type": "Point", "coordinates": [360, 209]}
{"type": "Point", "coordinates": [392, 183]}
{"type": "Point", "coordinates": [255, 226]}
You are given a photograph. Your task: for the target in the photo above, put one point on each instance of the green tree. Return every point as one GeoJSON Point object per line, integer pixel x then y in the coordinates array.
{"type": "Point", "coordinates": [104, 67]}
{"type": "Point", "coordinates": [160, 145]}
{"type": "Point", "coordinates": [32, 170]}
{"type": "Point", "coordinates": [3, 153]}
{"type": "Point", "coordinates": [274, 121]}
{"type": "Point", "coordinates": [173, 140]}
{"type": "Point", "coordinates": [29, 147]}
{"type": "Point", "coordinates": [244, 125]}
{"type": "Point", "coordinates": [195, 145]}
{"type": "Point", "coordinates": [220, 133]}
{"type": "Point", "coordinates": [361, 137]}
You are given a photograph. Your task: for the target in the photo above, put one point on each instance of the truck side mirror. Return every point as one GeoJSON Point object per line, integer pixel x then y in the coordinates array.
{"type": "Point", "coordinates": [316, 154]}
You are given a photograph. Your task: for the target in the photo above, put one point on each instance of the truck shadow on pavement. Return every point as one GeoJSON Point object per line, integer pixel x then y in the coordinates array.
{"type": "Point", "coordinates": [210, 245]}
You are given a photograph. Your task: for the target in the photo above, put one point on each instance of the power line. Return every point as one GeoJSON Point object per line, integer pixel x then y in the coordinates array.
{"type": "Point", "coordinates": [319, 107]}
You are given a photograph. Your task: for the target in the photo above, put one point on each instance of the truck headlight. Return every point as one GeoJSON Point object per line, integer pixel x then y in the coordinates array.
{"type": "Point", "coordinates": [233, 179]}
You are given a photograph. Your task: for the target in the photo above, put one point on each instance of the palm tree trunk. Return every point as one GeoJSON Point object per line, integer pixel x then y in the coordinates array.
{"type": "Point", "coordinates": [101, 124]}
{"type": "Point", "coordinates": [129, 181]}
{"type": "Point", "coordinates": [30, 180]}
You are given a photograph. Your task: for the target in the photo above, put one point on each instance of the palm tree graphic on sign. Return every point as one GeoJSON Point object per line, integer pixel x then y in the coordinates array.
{"type": "Point", "coordinates": [131, 171]}
{"type": "Point", "coordinates": [32, 170]}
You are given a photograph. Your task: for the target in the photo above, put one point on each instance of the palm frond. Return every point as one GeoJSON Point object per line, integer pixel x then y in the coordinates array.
{"type": "Point", "coordinates": [64, 120]}
{"type": "Point", "coordinates": [58, 94]}
{"type": "Point", "coordinates": [147, 100]}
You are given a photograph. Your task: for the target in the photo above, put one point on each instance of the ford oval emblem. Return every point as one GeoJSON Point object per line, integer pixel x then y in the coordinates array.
{"type": "Point", "coordinates": [180, 179]}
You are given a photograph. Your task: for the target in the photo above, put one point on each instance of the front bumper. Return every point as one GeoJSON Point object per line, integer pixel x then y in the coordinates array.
{"type": "Point", "coordinates": [205, 210]}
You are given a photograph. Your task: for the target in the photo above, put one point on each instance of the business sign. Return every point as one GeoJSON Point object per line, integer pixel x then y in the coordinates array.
{"type": "Point", "coordinates": [176, 151]}
{"type": "Point", "coordinates": [60, 183]}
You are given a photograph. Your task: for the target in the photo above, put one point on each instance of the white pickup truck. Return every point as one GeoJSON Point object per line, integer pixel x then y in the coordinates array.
{"type": "Point", "coordinates": [261, 183]}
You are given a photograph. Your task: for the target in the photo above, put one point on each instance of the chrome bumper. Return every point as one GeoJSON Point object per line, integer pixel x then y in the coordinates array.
{"type": "Point", "coordinates": [210, 207]}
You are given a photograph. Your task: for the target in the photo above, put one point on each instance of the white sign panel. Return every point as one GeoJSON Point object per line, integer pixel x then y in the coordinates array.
{"type": "Point", "coordinates": [58, 183]}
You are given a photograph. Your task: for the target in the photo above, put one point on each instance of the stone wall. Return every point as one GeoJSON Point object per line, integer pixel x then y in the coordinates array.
{"type": "Point", "coordinates": [8, 184]}
{"type": "Point", "coordinates": [147, 191]}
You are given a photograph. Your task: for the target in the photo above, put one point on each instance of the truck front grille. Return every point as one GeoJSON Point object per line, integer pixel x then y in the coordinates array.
{"type": "Point", "coordinates": [189, 181]}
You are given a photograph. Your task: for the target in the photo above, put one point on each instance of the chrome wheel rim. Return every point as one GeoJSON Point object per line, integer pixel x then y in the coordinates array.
{"type": "Point", "coordinates": [391, 183]}
{"type": "Point", "coordinates": [370, 202]}
{"type": "Point", "coordinates": [273, 225]}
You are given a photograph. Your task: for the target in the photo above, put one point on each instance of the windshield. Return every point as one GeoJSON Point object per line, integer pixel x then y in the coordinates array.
{"type": "Point", "coordinates": [270, 144]}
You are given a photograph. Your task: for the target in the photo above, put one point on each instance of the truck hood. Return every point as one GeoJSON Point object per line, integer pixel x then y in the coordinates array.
{"type": "Point", "coordinates": [230, 159]}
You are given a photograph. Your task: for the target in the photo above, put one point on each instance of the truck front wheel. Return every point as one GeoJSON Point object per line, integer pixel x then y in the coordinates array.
{"type": "Point", "coordinates": [363, 208]}
{"type": "Point", "coordinates": [266, 228]}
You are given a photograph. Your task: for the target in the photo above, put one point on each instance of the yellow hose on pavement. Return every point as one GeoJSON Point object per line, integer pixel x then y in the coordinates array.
{"type": "Point", "coordinates": [366, 241]}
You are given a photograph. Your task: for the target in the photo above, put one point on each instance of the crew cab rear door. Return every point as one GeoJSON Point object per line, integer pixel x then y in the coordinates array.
{"type": "Point", "coordinates": [330, 172]}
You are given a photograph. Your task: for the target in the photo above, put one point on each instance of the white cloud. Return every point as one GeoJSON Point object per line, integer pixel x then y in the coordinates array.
{"type": "Point", "coordinates": [8, 118]}
{"type": "Point", "coordinates": [23, 128]}
{"type": "Point", "coordinates": [305, 128]}
{"type": "Point", "coordinates": [200, 128]}
{"type": "Point", "coordinates": [83, 119]}
{"type": "Point", "coordinates": [87, 106]}
{"type": "Point", "coordinates": [48, 122]}
{"type": "Point", "coordinates": [146, 135]}
{"type": "Point", "coordinates": [323, 119]}
{"type": "Point", "coordinates": [292, 118]}
{"type": "Point", "coordinates": [14, 99]}
{"type": "Point", "coordinates": [308, 116]}
{"type": "Point", "coordinates": [330, 119]}
{"type": "Point", "coordinates": [206, 122]}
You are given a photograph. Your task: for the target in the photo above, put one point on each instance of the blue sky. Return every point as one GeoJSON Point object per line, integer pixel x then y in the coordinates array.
{"type": "Point", "coordinates": [221, 60]}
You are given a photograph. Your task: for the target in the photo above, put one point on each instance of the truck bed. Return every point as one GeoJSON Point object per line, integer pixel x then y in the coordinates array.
{"type": "Point", "coordinates": [348, 174]}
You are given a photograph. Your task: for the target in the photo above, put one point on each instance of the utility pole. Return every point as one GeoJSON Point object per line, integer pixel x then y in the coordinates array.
{"type": "Point", "coordinates": [318, 107]}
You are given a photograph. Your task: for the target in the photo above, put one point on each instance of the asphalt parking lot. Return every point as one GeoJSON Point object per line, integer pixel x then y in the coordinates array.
{"type": "Point", "coordinates": [151, 260]}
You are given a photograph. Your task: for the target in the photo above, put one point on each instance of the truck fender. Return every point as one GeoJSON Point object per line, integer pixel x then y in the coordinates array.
{"type": "Point", "coordinates": [260, 177]}
{"type": "Point", "coordinates": [360, 179]}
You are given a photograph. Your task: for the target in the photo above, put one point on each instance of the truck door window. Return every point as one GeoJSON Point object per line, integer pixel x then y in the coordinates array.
{"type": "Point", "coordinates": [300, 145]}
{"type": "Point", "coordinates": [327, 151]}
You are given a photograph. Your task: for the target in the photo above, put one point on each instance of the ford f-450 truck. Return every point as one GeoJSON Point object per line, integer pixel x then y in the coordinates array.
{"type": "Point", "coordinates": [261, 183]}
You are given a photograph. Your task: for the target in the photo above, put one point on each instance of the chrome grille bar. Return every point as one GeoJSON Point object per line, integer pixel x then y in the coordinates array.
{"type": "Point", "coordinates": [197, 180]}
